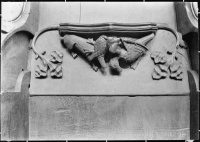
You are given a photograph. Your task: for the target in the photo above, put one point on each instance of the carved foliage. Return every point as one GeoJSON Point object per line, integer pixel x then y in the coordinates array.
{"type": "Point", "coordinates": [56, 58]}
{"type": "Point", "coordinates": [163, 68]}
{"type": "Point", "coordinates": [53, 63]}
{"type": "Point", "coordinates": [176, 72]}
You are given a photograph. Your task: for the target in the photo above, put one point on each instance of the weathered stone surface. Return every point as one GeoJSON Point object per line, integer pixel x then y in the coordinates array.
{"type": "Point", "coordinates": [135, 12]}
{"type": "Point", "coordinates": [67, 117]}
{"type": "Point", "coordinates": [14, 58]}
{"type": "Point", "coordinates": [58, 12]}
{"type": "Point", "coordinates": [14, 116]}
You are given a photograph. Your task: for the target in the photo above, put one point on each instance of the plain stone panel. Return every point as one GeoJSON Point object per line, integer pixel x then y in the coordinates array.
{"type": "Point", "coordinates": [131, 12]}
{"type": "Point", "coordinates": [52, 13]}
{"type": "Point", "coordinates": [99, 12]}
{"type": "Point", "coordinates": [14, 116]}
{"type": "Point", "coordinates": [79, 117]}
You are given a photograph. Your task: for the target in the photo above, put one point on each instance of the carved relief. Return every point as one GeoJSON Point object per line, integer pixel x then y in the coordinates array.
{"type": "Point", "coordinates": [73, 43]}
{"type": "Point", "coordinates": [54, 64]}
{"type": "Point", "coordinates": [127, 49]}
{"type": "Point", "coordinates": [176, 71]}
{"type": "Point", "coordinates": [100, 49]}
{"type": "Point", "coordinates": [163, 67]}
{"type": "Point", "coordinates": [56, 58]}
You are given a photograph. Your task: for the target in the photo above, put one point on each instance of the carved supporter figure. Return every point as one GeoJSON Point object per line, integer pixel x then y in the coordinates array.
{"type": "Point", "coordinates": [129, 50]}
{"type": "Point", "coordinates": [100, 49]}
{"type": "Point", "coordinates": [75, 42]}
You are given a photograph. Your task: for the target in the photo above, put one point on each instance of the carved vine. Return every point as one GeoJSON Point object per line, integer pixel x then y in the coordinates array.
{"type": "Point", "coordinates": [53, 63]}
{"type": "Point", "coordinates": [163, 67]}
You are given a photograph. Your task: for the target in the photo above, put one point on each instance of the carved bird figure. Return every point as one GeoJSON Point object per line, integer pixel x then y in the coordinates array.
{"type": "Point", "coordinates": [130, 50]}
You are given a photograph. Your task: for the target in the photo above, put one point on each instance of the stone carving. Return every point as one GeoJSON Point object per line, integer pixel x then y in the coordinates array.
{"type": "Point", "coordinates": [56, 58]}
{"type": "Point", "coordinates": [130, 50]}
{"type": "Point", "coordinates": [160, 71]}
{"type": "Point", "coordinates": [159, 57]}
{"type": "Point", "coordinates": [100, 48]}
{"type": "Point", "coordinates": [54, 65]}
{"type": "Point", "coordinates": [73, 42]}
{"type": "Point", "coordinates": [41, 71]}
{"type": "Point", "coordinates": [176, 71]}
{"type": "Point", "coordinates": [126, 48]}
{"type": "Point", "coordinates": [163, 67]}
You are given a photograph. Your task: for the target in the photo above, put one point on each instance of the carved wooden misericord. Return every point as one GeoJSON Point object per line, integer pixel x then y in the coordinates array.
{"type": "Point", "coordinates": [109, 43]}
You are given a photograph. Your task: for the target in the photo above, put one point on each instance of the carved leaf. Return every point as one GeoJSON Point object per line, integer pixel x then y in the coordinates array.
{"type": "Point", "coordinates": [115, 48]}
{"type": "Point", "coordinates": [162, 66]}
{"type": "Point", "coordinates": [53, 64]}
{"type": "Point", "coordinates": [41, 71]}
{"type": "Point", "coordinates": [159, 57]}
{"type": "Point", "coordinates": [57, 72]}
{"type": "Point", "coordinates": [160, 71]}
{"type": "Point", "coordinates": [176, 71]}
{"type": "Point", "coordinates": [56, 57]}
{"type": "Point", "coordinates": [37, 56]}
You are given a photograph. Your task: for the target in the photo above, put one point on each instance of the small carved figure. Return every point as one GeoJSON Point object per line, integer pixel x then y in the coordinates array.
{"type": "Point", "coordinates": [134, 51]}
{"type": "Point", "coordinates": [114, 64]}
{"type": "Point", "coordinates": [100, 48]}
{"type": "Point", "coordinates": [129, 50]}
{"type": "Point", "coordinates": [75, 42]}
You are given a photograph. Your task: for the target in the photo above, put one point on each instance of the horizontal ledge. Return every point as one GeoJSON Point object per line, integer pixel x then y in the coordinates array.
{"type": "Point", "coordinates": [108, 24]}
{"type": "Point", "coordinates": [107, 27]}
{"type": "Point", "coordinates": [78, 95]}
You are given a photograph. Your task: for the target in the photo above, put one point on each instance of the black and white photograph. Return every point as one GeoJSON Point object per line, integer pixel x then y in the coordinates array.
{"type": "Point", "coordinates": [99, 70]}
